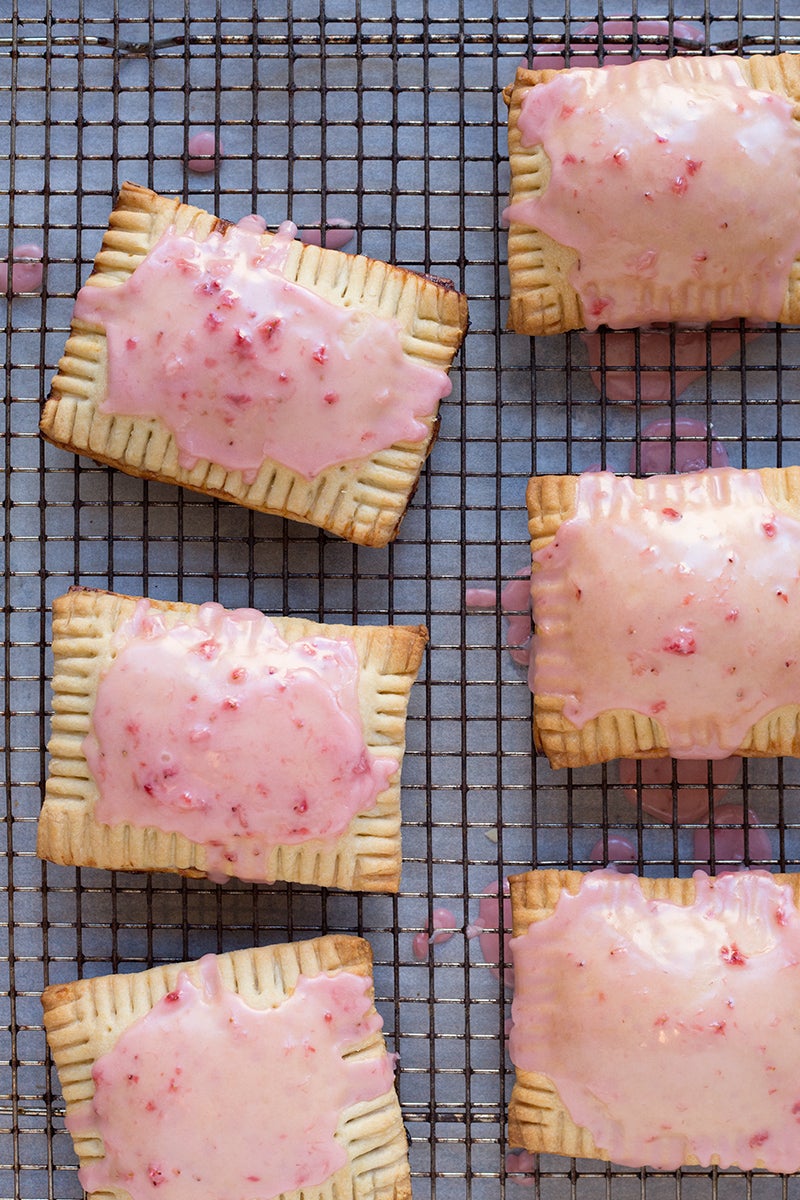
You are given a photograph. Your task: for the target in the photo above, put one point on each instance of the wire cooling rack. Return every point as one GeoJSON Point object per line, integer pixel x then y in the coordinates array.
{"type": "Point", "coordinates": [386, 115]}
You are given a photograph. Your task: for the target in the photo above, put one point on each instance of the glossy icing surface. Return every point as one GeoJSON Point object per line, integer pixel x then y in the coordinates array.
{"type": "Point", "coordinates": [206, 1096]}
{"type": "Point", "coordinates": [657, 177]}
{"type": "Point", "coordinates": [221, 730]}
{"type": "Point", "coordinates": [683, 1033]}
{"type": "Point", "coordinates": [682, 605]}
{"type": "Point", "coordinates": [242, 365]}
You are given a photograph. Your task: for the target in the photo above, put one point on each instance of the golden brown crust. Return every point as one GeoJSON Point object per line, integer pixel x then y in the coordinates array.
{"type": "Point", "coordinates": [542, 299]}
{"type": "Point", "coordinates": [83, 1020]}
{"type": "Point", "coordinates": [362, 501]}
{"type": "Point", "coordinates": [366, 857]}
{"type": "Point", "coordinates": [537, 1118]}
{"type": "Point", "coordinates": [622, 733]}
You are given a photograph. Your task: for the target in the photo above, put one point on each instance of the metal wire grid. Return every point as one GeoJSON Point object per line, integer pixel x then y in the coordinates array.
{"type": "Point", "coordinates": [387, 115]}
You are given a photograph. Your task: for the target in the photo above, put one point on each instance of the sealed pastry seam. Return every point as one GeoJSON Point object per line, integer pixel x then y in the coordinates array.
{"type": "Point", "coordinates": [362, 500]}
{"type": "Point", "coordinates": [620, 732]}
{"type": "Point", "coordinates": [365, 856]}
{"type": "Point", "coordinates": [538, 1117]}
{"type": "Point", "coordinates": [542, 269]}
{"type": "Point", "coordinates": [85, 1020]}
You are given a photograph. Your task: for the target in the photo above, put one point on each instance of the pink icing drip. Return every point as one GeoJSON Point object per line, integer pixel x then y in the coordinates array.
{"type": "Point", "coordinates": [515, 601]}
{"type": "Point", "coordinates": [205, 1095]}
{"type": "Point", "coordinates": [242, 365]}
{"type": "Point", "coordinates": [692, 785]}
{"type": "Point", "coordinates": [520, 1166]}
{"type": "Point", "coordinates": [682, 1037]}
{"type": "Point", "coordinates": [617, 852]}
{"type": "Point", "coordinates": [729, 844]}
{"type": "Point", "coordinates": [224, 732]}
{"type": "Point", "coordinates": [475, 597]}
{"type": "Point", "coordinates": [488, 927]}
{"type": "Point", "coordinates": [678, 605]}
{"type": "Point", "coordinates": [554, 57]}
{"type": "Point", "coordinates": [691, 448]}
{"type": "Point", "coordinates": [624, 355]}
{"type": "Point", "coordinates": [444, 927]}
{"type": "Point", "coordinates": [657, 171]}
{"type": "Point", "coordinates": [24, 277]}
{"type": "Point", "coordinates": [335, 234]}
{"type": "Point", "coordinates": [205, 144]}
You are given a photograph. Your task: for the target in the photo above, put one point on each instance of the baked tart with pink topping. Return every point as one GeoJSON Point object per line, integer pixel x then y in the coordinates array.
{"type": "Point", "coordinates": [661, 190]}
{"type": "Point", "coordinates": [246, 365]}
{"type": "Point", "coordinates": [655, 1021]}
{"type": "Point", "coordinates": [217, 742]}
{"type": "Point", "coordinates": [667, 615]}
{"type": "Point", "coordinates": [258, 1074]}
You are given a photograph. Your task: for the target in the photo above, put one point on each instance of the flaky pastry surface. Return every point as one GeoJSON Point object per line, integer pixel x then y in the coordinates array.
{"type": "Point", "coordinates": [366, 857]}
{"type": "Point", "coordinates": [362, 501]}
{"type": "Point", "coordinates": [83, 1020]}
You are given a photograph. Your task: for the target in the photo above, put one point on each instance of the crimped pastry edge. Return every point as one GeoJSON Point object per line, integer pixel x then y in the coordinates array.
{"type": "Point", "coordinates": [367, 855]}
{"type": "Point", "coordinates": [623, 733]}
{"type": "Point", "coordinates": [542, 299]}
{"type": "Point", "coordinates": [362, 501]}
{"type": "Point", "coordinates": [83, 1020]}
{"type": "Point", "coordinates": [537, 1118]}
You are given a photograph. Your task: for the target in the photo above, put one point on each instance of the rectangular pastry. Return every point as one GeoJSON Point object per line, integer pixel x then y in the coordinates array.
{"type": "Point", "coordinates": [243, 364]}
{"type": "Point", "coordinates": [225, 743]}
{"type": "Point", "coordinates": [662, 190]}
{"type": "Point", "coordinates": [259, 1073]}
{"type": "Point", "coordinates": [654, 1021]}
{"type": "Point", "coordinates": [667, 615]}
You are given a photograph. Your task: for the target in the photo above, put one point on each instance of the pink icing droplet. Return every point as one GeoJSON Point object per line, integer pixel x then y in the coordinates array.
{"type": "Point", "coordinates": [488, 926]}
{"type": "Point", "coordinates": [24, 277]}
{"type": "Point", "coordinates": [616, 852]}
{"type": "Point", "coordinates": [444, 927]}
{"type": "Point", "coordinates": [515, 601]}
{"type": "Point", "coordinates": [729, 844]}
{"type": "Point", "coordinates": [336, 233]}
{"type": "Point", "coordinates": [617, 53]}
{"type": "Point", "coordinates": [624, 354]}
{"type": "Point", "coordinates": [475, 597]}
{"type": "Point", "coordinates": [204, 143]}
{"type": "Point", "coordinates": [692, 781]}
{"type": "Point", "coordinates": [520, 1164]}
{"type": "Point", "coordinates": [691, 448]}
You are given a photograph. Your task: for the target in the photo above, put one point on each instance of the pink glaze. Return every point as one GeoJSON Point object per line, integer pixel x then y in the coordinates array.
{"type": "Point", "coordinates": [335, 234]}
{"type": "Point", "coordinates": [520, 1165]}
{"type": "Point", "coordinates": [616, 852]}
{"type": "Point", "coordinates": [729, 844]}
{"type": "Point", "coordinates": [206, 1096]}
{"type": "Point", "coordinates": [617, 53]}
{"type": "Point", "coordinates": [222, 731]}
{"type": "Point", "coordinates": [488, 927]}
{"type": "Point", "coordinates": [444, 927]}
{"type": "Point", "coordinates": [682, 1035]}
{"type": "Point", "coordinates": [205, 144]}
{"type": "Point", "coordinates": [678, 606]}
{"type": "Point", "coordinates": [691, 448]}
{"type": "Point", "coordinates": [692, 789]}
{"type": "Point", "coordinates": [24, 277]}
{"type": "Point", "coordinates": [657, 173]}
{"type": "Point", "coordinates": [243, 366]}
{"type": "Point", "coordinates": [475, 597]}
{"type": "Point", "coordinates": [626, 352]}
{"type": "Point", "coordinates": [515, 601]}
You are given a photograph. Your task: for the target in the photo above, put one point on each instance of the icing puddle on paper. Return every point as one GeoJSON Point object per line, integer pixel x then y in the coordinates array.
{"type": "Point", "coordinates": [242, 365]}
{"type": "Point", "coordinates": [224, 732]}
{"type": "Point", "coordinates": [656, 174]}
{"type": "Point", "coordinates": [677, 605]}
{"type": "Point", "coordinates": [683, 1034]}
{"type": "Point", "coordinates": [207, 1096]}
